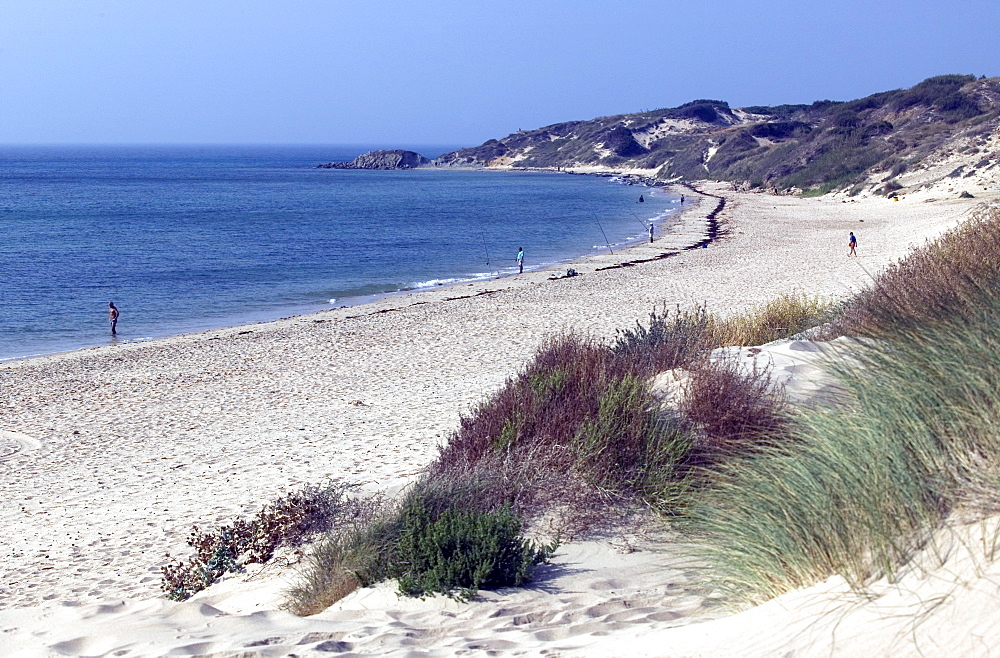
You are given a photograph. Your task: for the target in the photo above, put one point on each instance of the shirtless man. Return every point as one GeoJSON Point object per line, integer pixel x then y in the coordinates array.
{"type": "Point", "coordinates": [113, 317]}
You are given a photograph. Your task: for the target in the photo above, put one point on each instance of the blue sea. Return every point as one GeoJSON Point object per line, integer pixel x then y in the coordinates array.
{"type": "Point", "coordinates": [186, 238]}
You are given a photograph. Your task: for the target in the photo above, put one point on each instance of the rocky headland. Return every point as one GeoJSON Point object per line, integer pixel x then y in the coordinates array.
{"type": "Point", "coordinates": [385, 160]}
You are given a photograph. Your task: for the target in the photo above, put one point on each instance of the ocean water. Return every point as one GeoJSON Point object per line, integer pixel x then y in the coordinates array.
{"type": "Point", "coordinates": [186, 238]}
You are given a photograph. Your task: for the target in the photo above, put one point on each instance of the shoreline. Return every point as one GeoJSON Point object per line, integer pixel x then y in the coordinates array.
{"type": "Point", "coordinates": [132, 445]}
{"type": "Point", "coordinates": [302, 309]}
{"type": "Point", "coordinates": [503, 281]}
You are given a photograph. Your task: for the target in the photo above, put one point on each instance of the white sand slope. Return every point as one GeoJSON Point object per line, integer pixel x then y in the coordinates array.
{"type": "Point", "coordinates": [592, 589]}
{"type": "Point", "coordinates": [947, 603]}
{"type": "Point", "coordinates": [123, 448]}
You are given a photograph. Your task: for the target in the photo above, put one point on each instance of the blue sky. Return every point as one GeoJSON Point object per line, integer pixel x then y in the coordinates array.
{"type": "Point", "coordinates": [447, 72]}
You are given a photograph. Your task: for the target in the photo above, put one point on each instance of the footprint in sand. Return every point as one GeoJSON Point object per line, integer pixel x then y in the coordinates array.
{"type": "Point", "coordinates": [12, 443]}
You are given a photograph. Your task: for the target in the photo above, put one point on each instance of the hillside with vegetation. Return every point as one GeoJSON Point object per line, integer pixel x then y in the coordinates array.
{"type": "Point", "coordinates": [870, 143]}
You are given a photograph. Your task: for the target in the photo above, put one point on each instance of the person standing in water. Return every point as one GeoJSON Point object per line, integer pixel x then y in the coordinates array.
{"type": "Point", "coordinates": [520, 260]}
{"type": "Point", "coordinates": [113, 317]}
{"type": "Point", "coordinates": [852, 243]}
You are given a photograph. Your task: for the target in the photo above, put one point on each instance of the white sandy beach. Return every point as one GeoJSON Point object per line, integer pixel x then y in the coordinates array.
{"type": "Point", "coordinates": [110, 455]}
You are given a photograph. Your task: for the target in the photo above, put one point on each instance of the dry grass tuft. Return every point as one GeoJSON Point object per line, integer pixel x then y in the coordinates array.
{"type": "Point", "coordinates": [784, 316]}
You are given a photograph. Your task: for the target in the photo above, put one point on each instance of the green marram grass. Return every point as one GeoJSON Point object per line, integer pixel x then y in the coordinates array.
{"type": "Point", "coordinates": [862, 486]}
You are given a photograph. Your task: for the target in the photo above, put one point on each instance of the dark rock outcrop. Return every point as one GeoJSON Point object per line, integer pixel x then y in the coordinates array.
{"type": "Point", "coordinates": [391, 159]}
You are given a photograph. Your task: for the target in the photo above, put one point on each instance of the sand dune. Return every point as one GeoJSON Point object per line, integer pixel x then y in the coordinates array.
{"type": "Point", "coordinates": [111, 454]}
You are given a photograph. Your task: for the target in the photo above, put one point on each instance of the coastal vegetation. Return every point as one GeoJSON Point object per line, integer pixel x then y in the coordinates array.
{"type": "Point", "coordinates": [574, 442]}
{"type": "Point", "coordinates": [822, 146]}
{"type": "Point", "coordinates": [862, 485]}
{"type": "Point", "coordinates": [769, 496]}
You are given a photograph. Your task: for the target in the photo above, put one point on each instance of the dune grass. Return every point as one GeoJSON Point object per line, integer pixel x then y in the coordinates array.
{"type": "Point", "coordinates": [863, 485]}
{"type": "Point", "coordinates": [784, 316]}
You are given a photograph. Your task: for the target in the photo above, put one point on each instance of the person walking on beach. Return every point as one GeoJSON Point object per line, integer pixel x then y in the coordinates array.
{"type": "Point", "coordinates": [852, 243]}
{"type": "Point", "coordinates": [113, 317]}
{"type": "Point", "coordinates": [682, 199]}
{"type": "Point", "coordinates": [520, 260]}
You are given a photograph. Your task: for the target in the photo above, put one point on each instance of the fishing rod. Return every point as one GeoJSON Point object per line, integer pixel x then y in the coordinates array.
{"type": "Point", "coordinates": [604, 234]}
{"type": "Point", "coordinates": [644, 224]}
{"type": "Point", "coordinates": [487, 250]}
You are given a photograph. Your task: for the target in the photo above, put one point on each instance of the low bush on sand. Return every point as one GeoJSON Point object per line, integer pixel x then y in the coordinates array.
{"type": "Point", "coordinates": [574, 440]}
{"type": "Point", "coordinates": [457, 552]}
{"type": "Point", "coordinates": [443, 537]}
{"type": "Point", "coordinates": [288, 521]}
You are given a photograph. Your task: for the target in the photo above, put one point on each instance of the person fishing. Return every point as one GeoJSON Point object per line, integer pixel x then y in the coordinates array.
{"type": "Point", "coordinates": [651, 233]}
{"type": "Point", "coordinates": [113, 317]}
{"type": "Point", "coordinates": [520, 260]}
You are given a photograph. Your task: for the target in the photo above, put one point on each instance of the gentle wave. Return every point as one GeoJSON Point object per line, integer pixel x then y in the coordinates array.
{"type": "Point", "coordinates": [190, 238]}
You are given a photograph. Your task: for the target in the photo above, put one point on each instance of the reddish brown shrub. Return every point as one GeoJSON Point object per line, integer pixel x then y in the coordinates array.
{"type": "Point", "coordinates": [732, 410]}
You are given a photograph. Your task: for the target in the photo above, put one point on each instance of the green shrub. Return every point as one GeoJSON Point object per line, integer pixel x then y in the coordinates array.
{"type": "Point", "coordinates": [459, 552]}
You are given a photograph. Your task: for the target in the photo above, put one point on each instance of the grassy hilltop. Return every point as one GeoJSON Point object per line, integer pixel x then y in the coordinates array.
{"type": "Point", "coordinates": [823, 146]}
